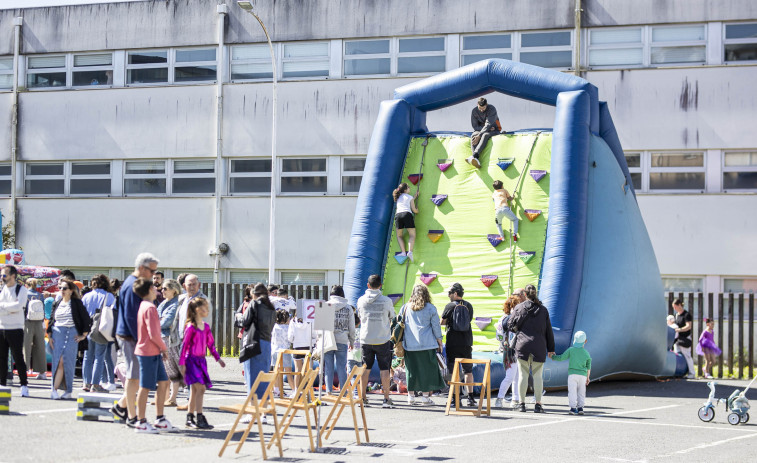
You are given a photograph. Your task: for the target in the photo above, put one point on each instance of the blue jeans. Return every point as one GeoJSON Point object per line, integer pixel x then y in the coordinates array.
{"type": "Point", "coordinates": [338, 357]}
{"type": "Point", "coordinates": [65, 345]}
{"type": "Point", "coordinates": [505, 213]}
{"type": "Point", "coordinates": [253, 366]}
{"type": "Point", "coordinates": [103, 369]}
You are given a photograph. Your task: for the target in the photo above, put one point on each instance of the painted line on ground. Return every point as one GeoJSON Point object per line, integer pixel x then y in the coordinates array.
{"type": "Point", "coordinates": [52, 410]}
{"type": "Point", "coordinates": [710, 444]}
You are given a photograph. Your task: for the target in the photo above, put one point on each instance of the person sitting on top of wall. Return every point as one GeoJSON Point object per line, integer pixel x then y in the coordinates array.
{"type": "Point", "coordinates": [485, 125]}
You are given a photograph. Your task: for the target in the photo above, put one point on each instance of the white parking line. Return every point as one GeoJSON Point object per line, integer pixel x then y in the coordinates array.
{"type": "Point", "coordinates": [713, 444]}
{"type": "Point", "coordinates": [52, 410]}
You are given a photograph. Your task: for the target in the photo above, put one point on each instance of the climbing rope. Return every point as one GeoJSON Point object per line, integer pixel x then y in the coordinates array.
{"type": "Point", "coordinates": [420, 172]}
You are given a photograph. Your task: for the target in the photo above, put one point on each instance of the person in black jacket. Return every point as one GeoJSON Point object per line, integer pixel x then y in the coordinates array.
{"type": "Point", "coordinates": [485, 124]}
{"type": "Point", "coordinates": [534, 340]}
{"type": "Point", "coordinates": [262, 314]}
{"type": "Point", "coordinates": [69, 324]}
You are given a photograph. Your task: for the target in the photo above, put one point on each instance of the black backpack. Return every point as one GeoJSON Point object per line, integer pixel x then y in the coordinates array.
{"type": "Point", "coordinates": [461, 318]}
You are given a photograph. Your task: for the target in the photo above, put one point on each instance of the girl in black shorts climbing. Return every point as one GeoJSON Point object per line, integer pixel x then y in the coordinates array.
{"type": "Point", "coordinates": [404, 218]}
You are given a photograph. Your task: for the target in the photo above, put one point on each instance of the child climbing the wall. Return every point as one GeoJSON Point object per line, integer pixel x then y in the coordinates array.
{"type": "Point", "coordinates": [502, 209]}
{"type": "Point", "coordinates": [404, 218]}
{"type": "Point", "coordinates": [579, 370]}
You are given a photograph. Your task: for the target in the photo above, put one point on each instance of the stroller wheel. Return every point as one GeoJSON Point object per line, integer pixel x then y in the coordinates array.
{"type": "Point", "coordinates": [734, 418]}
{"type": "Point", "coordinates": [706, 414]}
{"type": "Point", "coordinates": [744, 418]}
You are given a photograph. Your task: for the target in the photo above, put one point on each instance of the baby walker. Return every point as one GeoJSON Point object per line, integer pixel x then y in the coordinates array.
{"type": "Point", "coordinates": [736, 403]}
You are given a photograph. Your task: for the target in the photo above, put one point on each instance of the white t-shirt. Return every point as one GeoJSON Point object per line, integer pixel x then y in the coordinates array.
{"type": "Point", "coordinates": [63, 314]}
{"type": "Point", "coordinates": [403, 203]}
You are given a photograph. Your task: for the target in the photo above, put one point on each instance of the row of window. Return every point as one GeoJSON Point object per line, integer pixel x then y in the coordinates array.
{"type": "Point", "coordinates": [186, 177]}
{"type": "Point", "coordinates": [696, 285]}
{"type": "Point", "coordinates": [686, 171]}
{"type": "Point", "coordinates": [636, 46]}
{"type": "Point", "coordinates": [241, 277]}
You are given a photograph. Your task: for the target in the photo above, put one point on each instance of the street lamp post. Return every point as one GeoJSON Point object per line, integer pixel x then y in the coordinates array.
{"type": "Point", "coordinates": [247, 6]}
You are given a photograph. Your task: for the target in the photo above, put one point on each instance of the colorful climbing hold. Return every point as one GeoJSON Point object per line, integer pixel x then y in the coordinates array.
{"type": "Point", "coordinates": [401, 257]}
{"type": "Point", "coordinates": [435, 235]}
{"type": "Point", "coordinates": [532, 214]}
{"type": "Point", "coordinates": [526, 256]}
{"type": "Point", "coordinates": [394, 297]}
{"type": "Point", "coordinates": [494, 239]}
{"type": "Point", "coordinates": [438, 199]}
{"type": "Point", "coordinates": [443, 164]}
{"type": "Point", "coordinates": [538, 174]}
{"type": "Point", "coordinates": [482, 322]}
{"type": "Point", "coordinates": [504, 163]}
{"type": "Point", "coordinates": [415, 178]}
{"type": "Point", "coordinates": [428, 278]}
{"type": "Point", "coordinates": [488, 280]}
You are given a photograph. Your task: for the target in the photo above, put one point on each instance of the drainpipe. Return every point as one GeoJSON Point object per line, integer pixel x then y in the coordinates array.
{"type": "Point", "coordinates": [222, 10]}
{"type": "Point", "coordinates": [17, 23]}
{"type": "Point", "coordinates": [577, 62]}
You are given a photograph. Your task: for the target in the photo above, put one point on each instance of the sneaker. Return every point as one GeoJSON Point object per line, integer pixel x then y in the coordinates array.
{"type": "Point", "coordinates": [473, 161]}
{"type": "Point", "coordinates": [522, 407]}
{"type": "Point", "coordinates": [425, 401]}
{"type": "Point", "coordinates": [245, 419]}
{"type": "Point", "coordinates": [573, 411]}
{"type": "Point", "coordinates": [143, 427]}
{"type": "Point", "coordinates": [411, 400]}
{"type": "Point", "coordinates": [471, 401]}
{"type": "Point", "coordinates": [202, 422]}
{"type": "Point", "coordinates": [690, 376]}
{"type": "Point", "coordinates": [163, 425]}
{"type": "Point", "coordinates": [387, 403]}
{"type": "Point", "coordinates": [66, 396]}
{"type": "Point", "coordinates": [86, 387]}
{"type": "Point", "coordinates": [121, 413]}
{"type": "Point", "coordinates": [498, 403]}
{"type": "Point", "coordinates": [132, 423]}
{"type": "Point", "coordinates": [708, 376]}
{"type": "Point", "coordinates": [410, 256]}
{"type": "Point", "coordinates": [24, 391]}
{"type": "Point", "coordinates": [99, 389]}
{"type": "Point", "coordinates": [110, 387]}
{"type": "Point", "coordinates": [192, 424]}
{"type": "Point", "coordinates": [54, 395]}
{"type": "Point", "coordinates": [514, 404]}
{"type": "Point", "coordinates": [580, 410]}
{"type": "Point", "coordinates": [538, 408]}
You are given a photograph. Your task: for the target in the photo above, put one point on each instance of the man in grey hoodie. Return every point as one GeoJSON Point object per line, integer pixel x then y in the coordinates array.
{"type": "Point", "coordinates": [344, 335]}
{"type": "Point", "coordinates": [376, 313]}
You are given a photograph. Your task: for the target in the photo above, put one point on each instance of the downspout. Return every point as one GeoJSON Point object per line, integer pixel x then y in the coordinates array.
{"type": "Point", "coordinates": [577, 54]}
{"type": "Point", "coordinates": [17, 23]}
{"type": "Point", "coordinates": [222, 10]}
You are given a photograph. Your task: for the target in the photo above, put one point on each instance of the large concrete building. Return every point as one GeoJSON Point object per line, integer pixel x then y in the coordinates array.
{"type": "Point", "coordinates": [147, 125]}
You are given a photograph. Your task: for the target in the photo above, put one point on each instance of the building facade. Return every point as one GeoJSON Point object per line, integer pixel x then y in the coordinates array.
{"type": "Point", "coordinates": [147, 125]}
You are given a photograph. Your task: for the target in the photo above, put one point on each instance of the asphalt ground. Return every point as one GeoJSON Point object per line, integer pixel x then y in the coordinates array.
{"type": "Point", "coordinates": [624, 421]}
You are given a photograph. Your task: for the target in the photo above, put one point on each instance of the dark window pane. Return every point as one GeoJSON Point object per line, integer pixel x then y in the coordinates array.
{"type": "Point", "coordinates": [194, 73]}
{"type": "Point", "coordinates": [98, 168]}
{"type": "Point", "coordinates": [303, 184]}
{"type": "Point", "coordinates": [251, 71]}
{"type": "Point", "coordinates": [421, 64]}
{"type": "Point", "coordinates": [304, 165]}
{"type": "Point", "coordinates": [250, 185]}
{"type": "Point", "coordinates": [47, 79]}
{"type": "Point", "coordinates": [351, 184]}
{"type": "Point", "coordinates": [145, 186]}
{"type": "Point", "coordinates": [676, 181]}
{"type": "Point", "coordinates": [44, 187]}
{"type": "Point", "coordinates": [93, 78]}
{"type": "Point", "coordinates": [481, 42]}
{"type": "Point", "coordinates": [418, 45]}
{"type": "Point", "coordinates": [354, 164]}
{"type": "Point", "coordinates": [359, 67]}
{"type": "Point", "coordinates": [636, 178]}
{"type": "Point", "coordinates": [5, 187]}
{"type": "Point", "coordinates": [548, 59]}
{"type": "Point", "coordinates": [633, 160]}
{"type": "Point", "coordinates": [742, 52]}
{"type": "Point", "coordinates": [741, 31]}
{"type": "Point", "coordinates": [147, 76]}
{"type": "Point", "coordinates": [678, 160]}
{"type": "Point", "coordinates": [5, 170]}
{"type": "Point", "coordinates": [739, 180]}
{"type": "Point", "coordinates": [90, 186]}
{"type": "Point", "coordinates": [291, 71]}
{"type": "Point", "coordinates": [470, 59]}
{"type": "Point", "coordinates": [545, 39]}
{"type": "Point", "coordinates": [251, 165]}
{"type": "Point", "coordinates": [206, 54]}
{"type": "Point", "coordinates": [366, 47]}
{"type": "Point", "coordinates": [44, 169]}
{"type": "Point", "coordinates": [194, 185]}
{"type": "Point", "coordinates": [148, 57]}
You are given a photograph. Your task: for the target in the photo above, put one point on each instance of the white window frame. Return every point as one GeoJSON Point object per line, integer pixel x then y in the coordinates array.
{"type": "Point", "coordinates": [167, 168]}
{"type": "Point", "coordinates": [70, 176]}
{"type": "Point", "coordinates": [660, 170]}
{"type": "Point", "coordinates": [283, 175]}
{"type": "Point", "coordinates": [486, 52]}
{"type": "Point", "coordinates": [169, 175]}
{"type": "Point", "coordinates": [746, 41]}
{"type": "Point", "coordinates": [350, 173]}
{"type": "Point", "coordinates": [519, 48]}
{"type": "Point", "coordinates": [684, 277]}
{"type": "Point", "coordinates": [103, 67]}
{"type": "Point", "coordinates": [642, 45]}
{"type": "Point", "coordinates": [191, 64]}
{"type": "Point", "coordinates": [266, 60]}
{"type": "Point", "coordinates": [725, 169]}
{"type": "Point", "coordinates": [326, 59]}
{"type": "Point", "coordinates": [388, 55]}
{"type": "Point", "coordinates": [418, 54]}
{"type": "Point", "coordinates": [7, 72]}
{"type": "Point", "coordinates": [58, 69]}
{"type": "Point", "coordinates": [261, 174]}
{"type": "Point", "coordinates": [33, 177]}
{"type": "Point", "coordinates": [170, 65]}
{"type": "Point", "coordinates": [638, 170]}
{"type": "Point", "coordinates": [6, 178]}
{"type": "Point", "coordinates": [69, 69]}
{"type": "Point", "coordinates": [731, 277]}
{"type": "Point", "coordinates": [193, 175]}
{"type": "Point", "coordinates": [248, 276]}
{"type": "Point", "coordinates": [677, 44]}
{"type": "Point", "coordinates": [285, 275]}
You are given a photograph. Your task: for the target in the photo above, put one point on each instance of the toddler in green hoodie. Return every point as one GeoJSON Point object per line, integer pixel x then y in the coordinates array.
{"type": "Point", "coordinates": [579, 370]}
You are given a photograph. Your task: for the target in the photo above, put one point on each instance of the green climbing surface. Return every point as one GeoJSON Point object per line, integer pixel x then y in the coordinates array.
{"type": "Point", "coordinates": [463, 254]}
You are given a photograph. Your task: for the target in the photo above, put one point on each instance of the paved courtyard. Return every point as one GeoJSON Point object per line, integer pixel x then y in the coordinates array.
{"type": "Point", "coordinates": [625, 421]}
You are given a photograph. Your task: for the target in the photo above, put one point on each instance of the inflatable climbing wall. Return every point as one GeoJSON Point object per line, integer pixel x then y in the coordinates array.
{"type": "Point", "coordinates": [582, 242]}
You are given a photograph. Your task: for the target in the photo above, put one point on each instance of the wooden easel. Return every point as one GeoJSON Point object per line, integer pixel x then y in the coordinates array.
{"type": "Point", "coordinates": [455, 385]}
{"type": "Point", "coordinates": [279, 366]}
{"type": "Point", "coordinates": [302, 399]}
{"type": "Point", "coordinates": [347, 397]}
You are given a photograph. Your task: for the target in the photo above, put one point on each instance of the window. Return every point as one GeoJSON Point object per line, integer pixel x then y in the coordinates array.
{"type": "Point", "coordinates": [248, 278]}
{"type": "Point", "coordinates": [249, 176]}
{"type": "Point", "coordinates": [250, 62]}
{"type": "Point", "coordinates": [367, 57]}
{"type": "Point", "coordinates": [303, 278]}
{"type": "Point", "coordinates": [307, 175]}
{"type": "Point", "coordinates": [5, 179]}
{"type": "Point", "coordinates": [676, 171]}
{"type": "Point", "coordinates": [147, 67]}
{"type": "Point", "coordinates": [205, 276]}
{"type": "Point", "coordinates": [46, 71]}
{"type": "Point", "coordinates": [547, 49]}
{"type": "Point", "coordinates": [616, 47]}
{"type": "Point", "coordinates": [634, 168]}
{"type": "Point", "coordinates": [678, 44]}
{"type": "Point", "coordinates": [480, 47]}
{"type": "Point", "coordinates": [305, 59]}
{"type": "Point", "coordinates": [72, 70]}
{"type": "Point", "coordinates": [45, 178]}
{"type": "Point", "coordinates": [421, 55]}
{"type": "Point", "coordinates": [195, 65]}
{"type": "Point", "coordinates": [90, 178]}
{"type": "Point", "coordinates": [740, 42]}
{"type": "Point", "coordinates": [6, 72]}
{"type": "Point", "coordinates": [145, 178]}
{"type": "Point", "coordinates": [682, 285]}
{"type": "Point", "coordinates": [740, 285]}
{"type": "Point", "coordinates": [194, 177]}
{"type": "Point", "coordinates": [352, 174]}
{"type": "Point", "coordinates": [92, 69]}
{"type": "Point", "coordinates": [740, 170]}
